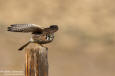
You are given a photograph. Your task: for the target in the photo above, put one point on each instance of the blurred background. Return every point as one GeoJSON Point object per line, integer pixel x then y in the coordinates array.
{"type": "Point", "coordinates": [83, 46]}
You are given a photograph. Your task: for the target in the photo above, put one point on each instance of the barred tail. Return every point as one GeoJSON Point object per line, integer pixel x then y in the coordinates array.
{"type": "Point", "coordinates": [21, 48]}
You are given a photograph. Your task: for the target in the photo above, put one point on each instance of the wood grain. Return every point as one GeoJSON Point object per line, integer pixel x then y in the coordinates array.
{"type": "Point", "coordinates": [36, 60]}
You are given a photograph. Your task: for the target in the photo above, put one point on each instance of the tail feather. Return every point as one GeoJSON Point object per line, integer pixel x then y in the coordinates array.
{"type": "Point", "coordinates": [21, 48]}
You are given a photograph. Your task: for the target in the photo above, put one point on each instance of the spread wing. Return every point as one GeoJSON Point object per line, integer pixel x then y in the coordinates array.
{"type": "Point", "coordinates": [25, 28]}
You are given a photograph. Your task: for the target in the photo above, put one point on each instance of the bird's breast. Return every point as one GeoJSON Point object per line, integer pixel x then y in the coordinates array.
{"type": "Point", "coordinates": [43, 38]}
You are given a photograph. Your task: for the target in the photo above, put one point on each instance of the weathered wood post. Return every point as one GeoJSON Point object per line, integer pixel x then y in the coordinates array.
{"type": "Point", "coordinates": [36, 60]}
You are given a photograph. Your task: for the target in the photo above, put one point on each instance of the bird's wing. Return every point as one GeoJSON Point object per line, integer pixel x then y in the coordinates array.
{"type": "Point", "coordinates": [25, 28]}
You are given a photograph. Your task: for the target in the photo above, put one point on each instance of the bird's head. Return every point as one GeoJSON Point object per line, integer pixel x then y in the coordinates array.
{"type": "Point", "coordinates": [54, 28]}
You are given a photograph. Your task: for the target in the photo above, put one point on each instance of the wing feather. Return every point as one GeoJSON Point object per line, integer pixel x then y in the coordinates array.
{"type": "Point", "coordinates": [25, 28]}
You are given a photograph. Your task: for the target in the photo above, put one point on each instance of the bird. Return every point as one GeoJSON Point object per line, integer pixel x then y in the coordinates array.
{"type": "Point", "coordinates": [40, 34]}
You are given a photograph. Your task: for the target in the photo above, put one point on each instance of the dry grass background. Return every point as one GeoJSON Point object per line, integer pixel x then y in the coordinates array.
{"type": "Point", "coordinates": [84, 45]}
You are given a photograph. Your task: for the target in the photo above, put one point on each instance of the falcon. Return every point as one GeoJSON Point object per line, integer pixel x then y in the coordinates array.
{"type": "Point", "coordinates": [40, 35]}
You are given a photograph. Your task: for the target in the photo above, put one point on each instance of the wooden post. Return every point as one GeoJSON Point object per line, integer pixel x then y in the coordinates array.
{"type": "Point", "coordinates": [36, 60]}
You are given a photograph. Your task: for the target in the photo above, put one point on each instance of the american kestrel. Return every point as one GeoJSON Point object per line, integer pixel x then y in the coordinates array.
{"type": "Point", "coordinates": [40, 35]}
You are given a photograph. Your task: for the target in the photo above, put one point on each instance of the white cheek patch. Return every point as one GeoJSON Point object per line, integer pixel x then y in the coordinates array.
{"type": "Point", "coordinates": [51, 37]}
{"type": "Point", "coordinates": [47, 37]}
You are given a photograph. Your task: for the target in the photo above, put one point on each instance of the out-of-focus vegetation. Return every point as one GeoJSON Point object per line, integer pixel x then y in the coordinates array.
{"type": "Point", "coordinates": [83, 46]}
